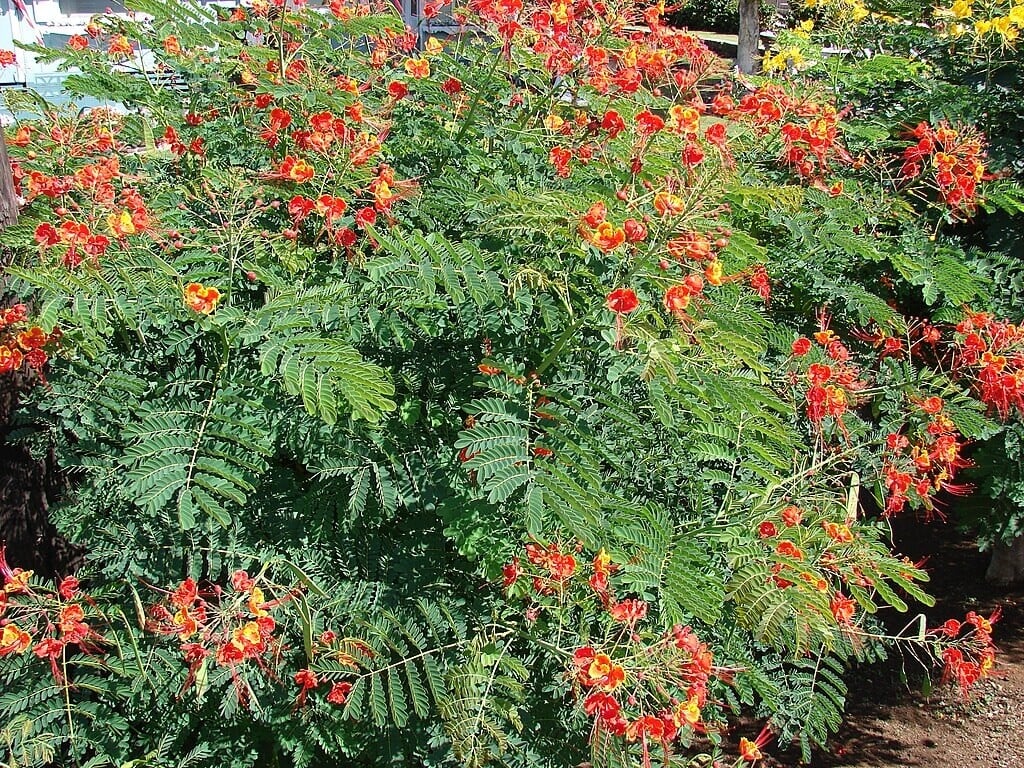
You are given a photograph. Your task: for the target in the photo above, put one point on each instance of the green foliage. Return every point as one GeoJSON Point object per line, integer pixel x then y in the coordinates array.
{"type": "Point", "coordinates": [813, 708]}
{"type": "Point", "coordinates": [364, 384]}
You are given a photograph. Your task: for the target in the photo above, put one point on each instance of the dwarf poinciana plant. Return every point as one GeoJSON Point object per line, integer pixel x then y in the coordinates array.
{"type": "Point", "coordinates": [388, 321]}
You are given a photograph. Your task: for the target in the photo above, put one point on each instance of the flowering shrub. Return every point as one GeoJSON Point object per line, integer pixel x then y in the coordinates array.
{"type": "Point", "coordinates": [389, 324]}
{"type": "Point", "coordinates": [984, 24]}
{"type": "Point", "coordinates": [928, 85]}
{"type": "Point", "coordinates": [24, 345]}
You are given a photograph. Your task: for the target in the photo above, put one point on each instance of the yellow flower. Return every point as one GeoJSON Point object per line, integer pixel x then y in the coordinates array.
{"type": "Point", "coordinates": [1017, 15]}
{"type": "Point", "coordinates": [256, 603]}
{"type": "Point", "coordinates": [773, 63]}
{"type": "Point", "coordinates": [807, 26]}
{"type": "Point", "coordinates": [1005, 28]}
{"type": "Point", "coordinates": [434, 45]}
{"type": "Point", "coordinates": [982, 27]}
{"type": "Point", "coordinates": [553, 122]}
{"type": "Point", "coordinates": [18, 583]}
{"type": "Point", "coordinates": [417, 68]}
{"type": "Point", "coordinates": [784, 59]}
{"type": "Point", "coordinates": [689, 712]}
{"type": "Point", "coordinates": [957, 30]}
{"type": "Point", "coordinates": [248, 634]}
{"type": "Point", "coordinates": [121, 225]}
{"type": "Point", "coordinates": [962, 9]}
{"type": "Point", "coordinates": [14, 640]}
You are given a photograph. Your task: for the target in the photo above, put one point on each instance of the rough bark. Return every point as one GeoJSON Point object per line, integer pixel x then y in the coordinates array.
{"type": "Point", "coordinates": [747, 57]}
{"type": "Point", "coordinates": [28, 484]}
{"type": "Point", "coordinates": [8, 197]}
{"type": "Point", "coordinates": [1007, 565]}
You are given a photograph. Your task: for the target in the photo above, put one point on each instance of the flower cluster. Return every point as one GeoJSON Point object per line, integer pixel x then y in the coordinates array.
{"type": "Point", "coordinates": [94, 190]}
{"type": "Point", "coordinates": [809, 552]}
{"type": "Point", "coordinates": [808, 129]}
{"type": "Point", "coordinates": [983, 22]}
{"type": "Point", "coordinates": [952, 159]}
{"type": "Point", "coordinates": [22, 343]}
{"type": "Point", "coordinates": [651, 692]}
{"type": "Point", "coordinates": [553, 567]}
{"type": "Point", "coordinates": [636, 684]}
{"type": "Point", "coordinates": [233, 627]}
{"type": "Point", "coordinates": [592, 39]}
{"type": "Point", "coordinates": [916, 471]}
{"type": "Point", "coordinates": [51, 623]}
{"type": "Point", "coordinates": [833, 384]}
{"type": "Point", "coordinates": [347, 653]}
{"type": "Point", "coordinates": [989, 353]}
{"type": "Point", "coordinates": [606, 236]}
{"type": "Point", "coordinates": [967, 651]}
{"type": "Point", "coordinates": [809, 146]}
{"type": "Point", "coordinates": [841, 11]}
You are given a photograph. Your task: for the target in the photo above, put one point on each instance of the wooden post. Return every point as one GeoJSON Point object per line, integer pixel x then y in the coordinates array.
{"type": "Point", "coordinates": [8, 198]}
{"type": "Point", "coordinates": [747, 58]}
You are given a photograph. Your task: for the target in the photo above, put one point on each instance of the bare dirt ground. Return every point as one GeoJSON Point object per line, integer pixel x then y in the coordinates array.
{"type": "Point", "coordinates": [891, 721]}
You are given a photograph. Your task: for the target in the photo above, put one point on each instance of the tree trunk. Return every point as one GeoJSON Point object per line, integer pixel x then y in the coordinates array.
{"type": "Point", "coordinates": [1007, 565]}
{"type": "Point", "coordinates": [28, 484]}
{"type": "Point", "coordinates": [747, 58]}
{"type": "Point", "coordinates": [8, 198]}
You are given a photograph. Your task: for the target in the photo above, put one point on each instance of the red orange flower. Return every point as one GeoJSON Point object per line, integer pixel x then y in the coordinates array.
{"type": "Point", "coordinates": [33, 338]}
{"type": "Point", "coordinates": [417, 68]}
{"type": "Point", "coordinates": [294, 169]}
{"type": "Point", "coordinates": [628, 611]}
{"type": "Point", "coordinates": [607, 237]}
{"type": "Point", "coordinates": [749, 750]}
{"type": "Point", "coordinates": [14, 640]}
{"type": "Point", "coordinates": [511, 572]}
{"type": "Point", "coordinates": [677, 299]}
{"type": "Point", "coordinates": [307, 680]}
{"type": "Point", "coordinates": [668, 204]}
{"type": "Point", "coordinates": [561, 566]}
{"type": "Point", "coordinates": [200, 298]}
{"type": "Point", "coordinates": [10, 359]}
{"type": "Point", "coordinates": [842, 608]}
{"type": "Point", "coordinates": [603, 673]}
{"type": "Point", "coordinates": [338, 694]}
{"type": "Point", "coordinates": [622, 301]}
{"type": "Point", "coordinates": [119, 46]}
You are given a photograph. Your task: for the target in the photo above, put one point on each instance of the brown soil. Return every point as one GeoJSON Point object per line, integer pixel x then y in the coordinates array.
{"type": "Point", "coordinates": [893, 721]}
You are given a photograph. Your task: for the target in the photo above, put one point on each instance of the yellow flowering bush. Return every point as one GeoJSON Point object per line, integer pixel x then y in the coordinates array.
{"type": "Point", "coordinates": [984, 23]}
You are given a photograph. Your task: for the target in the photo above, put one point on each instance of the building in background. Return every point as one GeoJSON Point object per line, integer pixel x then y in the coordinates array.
{"type": "Point", "coordinates": [52, 23]}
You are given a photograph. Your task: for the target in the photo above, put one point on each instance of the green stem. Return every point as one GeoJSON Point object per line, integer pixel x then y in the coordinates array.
{"type": "Point", "coordinates": [476, 103]}
{"type": "Point", "coordinates": [567, 334]}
